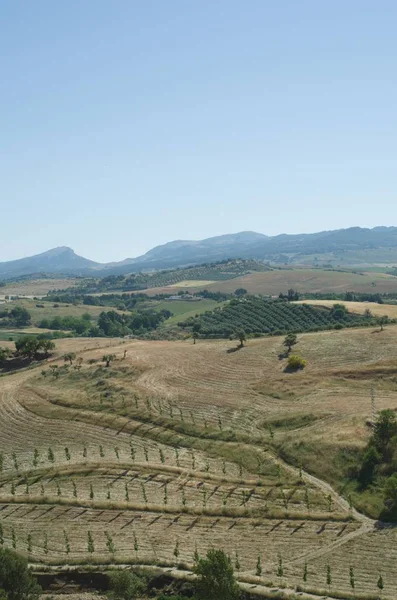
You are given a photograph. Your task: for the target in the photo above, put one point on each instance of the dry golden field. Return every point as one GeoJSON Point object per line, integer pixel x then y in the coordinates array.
{"type": "Point", "coordinates": [305, 280]}
{"type": "Point", "coordinates": [378, 310]}
{"type": "Point", "coordinates": [38, 287]}
{"type": "Point", "coordinates": [177, 447]}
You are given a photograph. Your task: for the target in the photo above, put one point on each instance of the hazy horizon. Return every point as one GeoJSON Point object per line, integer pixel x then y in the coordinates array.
{"type": "Point", "coordinates": [178, 240]}
{"type": "Point", "coordinates": [128, 126]}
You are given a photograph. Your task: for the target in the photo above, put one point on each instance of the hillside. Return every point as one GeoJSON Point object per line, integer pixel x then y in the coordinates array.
{"type": "Point", "coordinates": [177, 447]}
{"type": "Point", "coordinates": [344, 247]}
{"type": "Point", "coordinates": [259, 316]}
{"type": "Point", "coordinates": [305, 280]}
{"type": "Point", "coordinates": [58, 260]}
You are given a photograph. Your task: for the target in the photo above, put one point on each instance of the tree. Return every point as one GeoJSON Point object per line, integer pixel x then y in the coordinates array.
{"type": "Point", "coordinates": [19, 316]}
{"type": "Point", "coordinates": [338, 312]}
{"type": "Point", "coordinates": [352, 578]}
{"type": "Point", "coordinates": [70, 357]}
{"type": "Point", "coordinates": [370, 460]}
{"type": "Point", "coordinates": [290, 340]}
{"type": "Point", "coordinates": [195, 336]}
{"type": "Point", "coordinates": [382, 321]}
{"type": "Point", "coordinates": [385, 429]}
{"type": "Point", "coordinates": [5, 353]}
{"type": "Point", "coordinates": [125, 585]}
{"type": "Point", "coordinates": [215, 577]}
{"type": "Point", "coordinates": [391, 492]}
{"type": "Point", "coordinates": [258, 566]}
{"type": "Point", "coordinates": [328, 576]}
{"type": "Point", "coordinates": [241, 336]}
{"type": "Point", "coordinates": [16, 578]}
{"type": "Point", "coordinates": [32, 347]}
{"type": "Point", "coordinates": [108, 358]}
{"type": "Point", "coordinates": [380, 584]}
{"type": "Point", "coordinates": [90, 542]}
{"type": "Point", "coordinates": [240, 292]}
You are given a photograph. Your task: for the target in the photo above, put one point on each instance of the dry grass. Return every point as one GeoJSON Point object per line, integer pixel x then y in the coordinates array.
{"type": "Point", "coordinates": [38, 287]}
{"type": "Point", "coordinates": [379, 310]}
{"type": "Point", "coordinates": [301, 279]}
{"type": "Point", "coordinates": [187, 283]}
{"type": "Point", "coordinates": [218, 409]}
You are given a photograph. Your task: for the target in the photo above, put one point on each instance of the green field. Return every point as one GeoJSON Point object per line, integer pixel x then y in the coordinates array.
{"type": "Point", "coordinates": [184, 308]}
{"type": "Point", "coordinates": [50, 310]}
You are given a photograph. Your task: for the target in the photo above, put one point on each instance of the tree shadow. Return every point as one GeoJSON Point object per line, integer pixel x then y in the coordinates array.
{"type": "Point", "coordinates": [289, 369]}
{"type": "Point", "coordinates": [283, 355]}
{"type": "Point", "coordinates": [235, 349]}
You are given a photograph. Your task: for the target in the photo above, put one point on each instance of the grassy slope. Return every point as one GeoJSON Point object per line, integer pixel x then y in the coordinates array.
{"type": "Point", "coordinates": [38, 287]}
{"type": "Point", "coordinates": [314, 414]}
{"type": "Point", "coordinates": [184, 308]}
{"type": "Point", "coordinates": [49, 311]}
{"type": "Point", "coordinates": [303, 280]}
{"type": "Point", "coordinates": [332, 395]}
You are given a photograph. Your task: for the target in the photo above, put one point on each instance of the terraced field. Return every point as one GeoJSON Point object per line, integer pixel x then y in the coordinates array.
{"type": "Point", "coordinates": [174, 448]}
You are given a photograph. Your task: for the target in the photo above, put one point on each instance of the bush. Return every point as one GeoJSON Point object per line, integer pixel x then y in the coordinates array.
{"type": "Point", "coordinates": [16, 580]}
{"type": "Point", "coordinates": [295, 362]}
{"type": "Point", "coordinates": [125, 585]}
{"type": "Point", "coordinates": [215, 577]}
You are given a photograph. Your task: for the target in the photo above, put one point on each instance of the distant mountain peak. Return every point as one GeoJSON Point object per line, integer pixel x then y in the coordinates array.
{"type": "Point", "coordinates": [281, 248]}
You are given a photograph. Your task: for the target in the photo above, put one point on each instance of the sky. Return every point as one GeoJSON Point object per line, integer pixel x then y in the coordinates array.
{"type": "Point", "coordinates": [126, 124]}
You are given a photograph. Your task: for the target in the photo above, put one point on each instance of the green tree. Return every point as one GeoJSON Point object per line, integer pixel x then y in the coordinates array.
{"type": "Point", "coordinates": [305, 572]}
{"type": "Point", "coordinates": [125, 585]}
{"type": "Point", "coordinates": [32, 347]}
{"type": "Point", "coordinates": [385, 428]}
{"type": "Point", "coordinates": [215, 577]}
{"type": "Point", "coordinates": [370, 460]}
{"type": "Point", "coordinates": [380, 584]}
{"type": "Point", "coordinates": [241, 336]}
{"type": "Point", "coordinates": [16, 578]}
{"type": "Point", "coordinates": [90, 542]}
{"type": "Point", "coordinates": [352, 578]}
{"type": "Point", "coordinates": [290, 340]}
{"type": "Point", "coordinates": [5, 353]}
{"type": "Point", "coordinates": [391, 492]}
{"type": "Point", "coordinates": [328, 576]}
{"type": "Point", "coordinates": [108, 358]}
{"type": "Point", "coordinates": [258, 566]}
{"type": "Point", "coordinates": [20, 316]}
{"type": "Point", "coordinates": [240, 292]}
{"type": "Point", "coordinates": [69, 357]}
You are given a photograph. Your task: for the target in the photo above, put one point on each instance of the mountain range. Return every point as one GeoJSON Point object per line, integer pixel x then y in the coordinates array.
{"type": "Point", "coordinates": [354, 246]}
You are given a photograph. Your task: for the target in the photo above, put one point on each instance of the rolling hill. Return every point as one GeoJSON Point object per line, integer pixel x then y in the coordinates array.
{"type": "Point", "coordinates": [352, 246]}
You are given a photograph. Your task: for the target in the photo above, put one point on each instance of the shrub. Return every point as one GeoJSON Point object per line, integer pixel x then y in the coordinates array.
{"type": "Point", "coordinates": [295, 363]}
{"type": "Point", "coordinates": [125, 585]}
{"type": "Point", "coordinates": [15, 577]}
{"type": "Point", "coordinates": [216, 579]}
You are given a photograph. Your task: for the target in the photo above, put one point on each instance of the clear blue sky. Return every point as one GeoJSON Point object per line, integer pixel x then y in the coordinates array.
{"type": "Point", "coordinates": [127, 124]}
